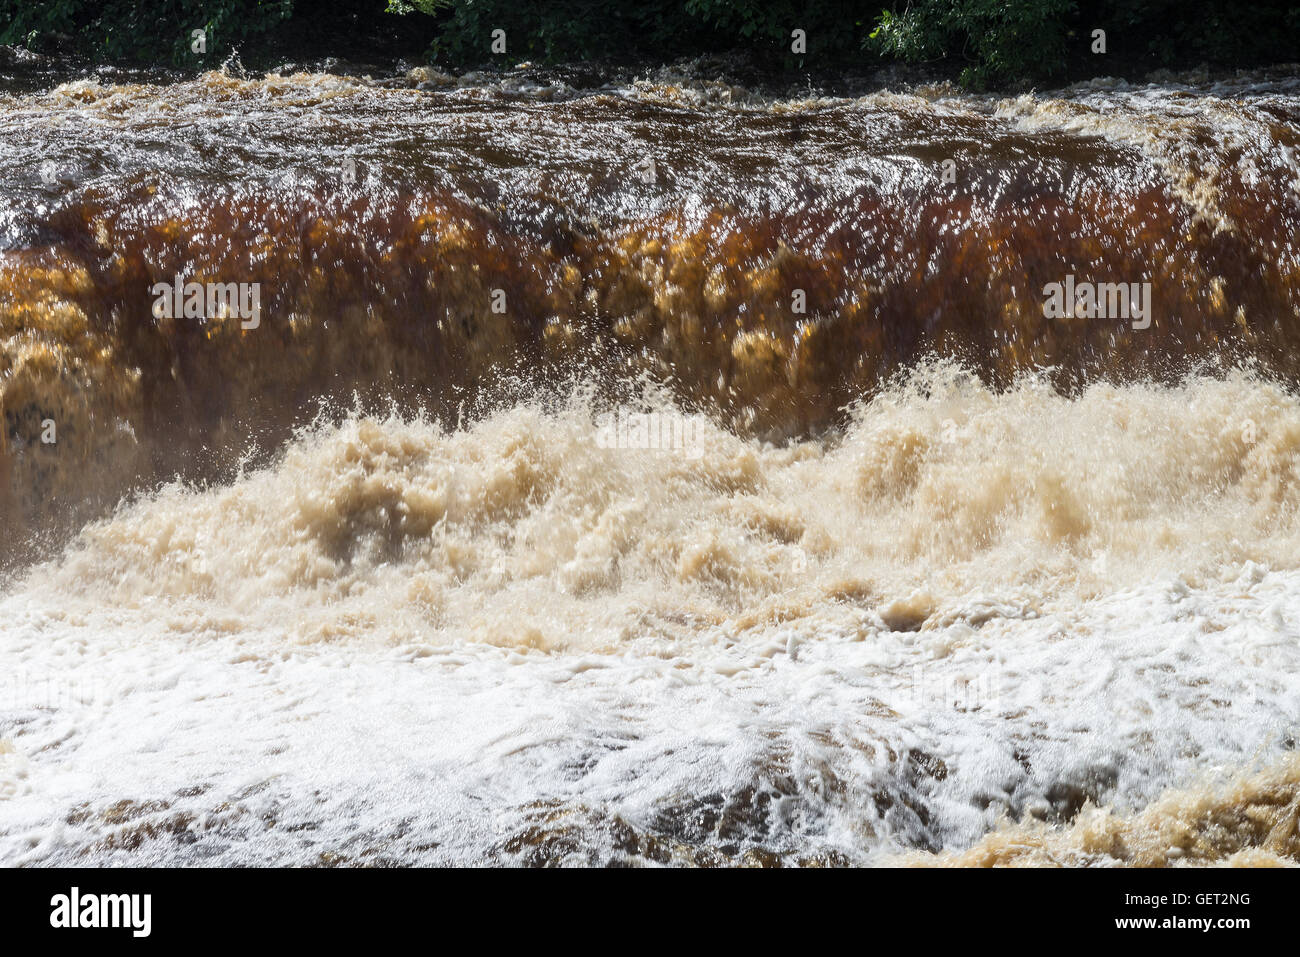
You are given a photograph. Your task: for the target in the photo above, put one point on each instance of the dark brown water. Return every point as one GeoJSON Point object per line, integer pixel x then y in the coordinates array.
{"type": "Point", "coordinates": [384, 286]}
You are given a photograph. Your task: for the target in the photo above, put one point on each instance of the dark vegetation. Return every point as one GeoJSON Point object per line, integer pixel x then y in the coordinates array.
{"type": "Point", "coordinates": [981, 42]}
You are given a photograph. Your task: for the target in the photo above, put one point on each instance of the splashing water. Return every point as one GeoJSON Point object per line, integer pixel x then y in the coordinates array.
{"type": "Point", "coordinates": [649, 566]}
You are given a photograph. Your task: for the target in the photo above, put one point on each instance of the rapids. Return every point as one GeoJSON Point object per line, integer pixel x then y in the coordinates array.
{"type": "Point", "coordinates": [924, 575]}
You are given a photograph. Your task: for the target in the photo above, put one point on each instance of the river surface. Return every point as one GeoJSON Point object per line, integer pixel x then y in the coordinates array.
{"type": "Point", "coordinates": [652, 472]}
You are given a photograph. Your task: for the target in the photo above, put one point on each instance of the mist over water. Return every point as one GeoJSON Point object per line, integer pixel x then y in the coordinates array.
{"type": "Point", "coordinates": [649, 565]}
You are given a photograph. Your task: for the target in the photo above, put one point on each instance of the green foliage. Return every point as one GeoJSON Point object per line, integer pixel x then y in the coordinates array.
{"type": "Point", "coordinates": [989, 42]}
{"type": "Point", "coordinates": [429, 7]}
{"type": "Point", "coordinates": [998, 40]}
{"type": "Point", "coordinates": [141, 30]}
{"type": "Point", "coordinates": [1172, 32]}
{"type": "Point", "coordinates": [554, 31]}
{"type": "Point", "coordinates": [833, 29]}
{"type": "Point", "coordinates": [1019, 41]}
{"type": "Point", "coordinates": [567, 30]}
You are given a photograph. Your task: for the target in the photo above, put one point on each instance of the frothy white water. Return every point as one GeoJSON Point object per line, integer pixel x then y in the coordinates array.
{"type": "Point", "coordinates": [403, 642]}
{"type": "Point", "coordinates": [137, 743]}
{"type": "Point", "coordinates": [528, 530]}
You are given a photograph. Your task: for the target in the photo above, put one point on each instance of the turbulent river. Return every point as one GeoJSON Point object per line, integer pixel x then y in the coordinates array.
{"type": "Point", "coordinates": [654, 471]}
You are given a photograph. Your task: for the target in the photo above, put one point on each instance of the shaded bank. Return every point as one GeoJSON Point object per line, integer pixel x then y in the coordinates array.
{"type": "Point", "coordinates": [980, 41]}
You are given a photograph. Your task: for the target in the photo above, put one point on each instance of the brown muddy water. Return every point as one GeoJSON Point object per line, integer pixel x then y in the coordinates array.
{"type": "Point", "coordinates": [657, 472]}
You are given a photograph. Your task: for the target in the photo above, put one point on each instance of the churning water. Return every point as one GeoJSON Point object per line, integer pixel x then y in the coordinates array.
{"type": "Point", "coordinates": [657, 472]}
